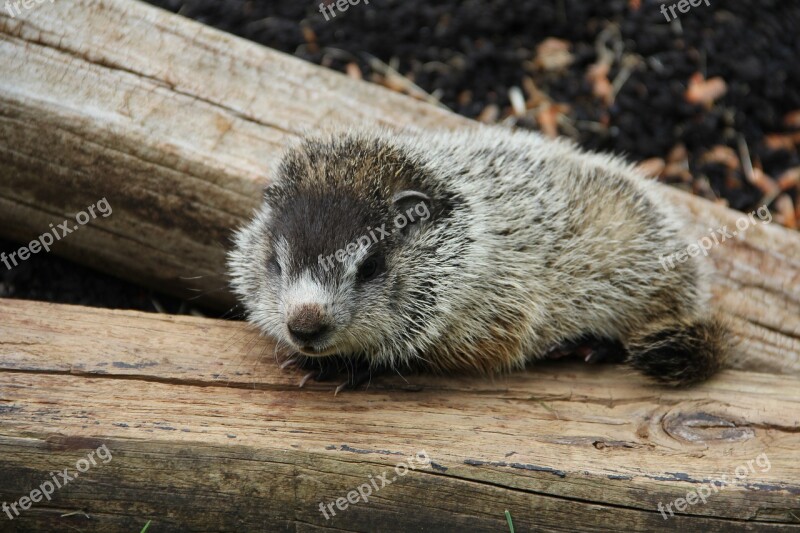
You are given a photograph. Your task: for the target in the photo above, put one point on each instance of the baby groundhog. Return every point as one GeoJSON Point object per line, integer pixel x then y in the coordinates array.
{"type": "Point", "coordinates": [474, 251]}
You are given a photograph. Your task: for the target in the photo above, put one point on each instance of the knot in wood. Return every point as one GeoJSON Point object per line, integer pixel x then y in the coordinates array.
{"type": "Point", "coordinates": [699, 427]}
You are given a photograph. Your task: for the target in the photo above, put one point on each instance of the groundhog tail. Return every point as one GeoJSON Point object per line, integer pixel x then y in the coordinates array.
{"type": "Point", "coordinates": [680, 352]}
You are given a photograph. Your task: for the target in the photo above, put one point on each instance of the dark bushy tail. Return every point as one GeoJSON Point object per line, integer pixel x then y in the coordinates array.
{"type": "Point", "coordinates": [680, 352]}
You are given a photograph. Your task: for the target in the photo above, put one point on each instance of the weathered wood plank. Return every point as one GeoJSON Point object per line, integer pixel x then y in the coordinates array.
{"type": "Point", "coordinates": [179, 126]}
{"type": "Point", "coordinates": [208, 434]}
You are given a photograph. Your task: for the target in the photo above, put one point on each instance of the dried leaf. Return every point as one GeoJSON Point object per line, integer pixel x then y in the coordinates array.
{"type": "Point", "coordinates": [678, 154]}
{"type": "Point", "coordinates": [353, 71]}
{"type": "Point", "coordinates": [765, 183]}
{"type": "Point", "coordinates": [677, 170]}
{"type": "Point", "coordinates": [536, 97]}
{"type": "Point", "coordinates": [601, 86]}
{"type": "Point", "coordinates": [785, 207]}
{"type": "Point", "coordinates": [652, 167]}
{"type": "Point", "coordinates": [780, 141]}
{"type": "Point", "coordinates": [789, 179]}
{"type": "Point", "coordinates": [723, 155]}
{"type": "Point", "coordinates": [489, 114]}
{"type": "Point", "coordinates": [792, 119]}
{"type": "Point", "coordinates": [703, 91]}
{"type": "Point", "coordinates": [553, 54]}
{"type": "Point", "coordinates": [310, 38]}
{"type": "Point", "coordinates": [547, 117]}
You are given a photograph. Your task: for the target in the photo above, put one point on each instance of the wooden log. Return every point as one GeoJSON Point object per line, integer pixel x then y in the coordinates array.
{"type": "Point", "coordinates": [206, 433]}
{"type": "Point", "coordinates": [179, 126]}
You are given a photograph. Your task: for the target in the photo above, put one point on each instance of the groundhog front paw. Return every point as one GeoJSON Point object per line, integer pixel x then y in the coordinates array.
{"type": "Point", "coordinates": [323, 369]}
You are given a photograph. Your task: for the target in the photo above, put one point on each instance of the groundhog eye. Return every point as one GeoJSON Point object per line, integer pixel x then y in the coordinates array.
{"type": "Point", "coordinates": [273, 264]}
{"type": "Point", "coordinates": [370, 268]}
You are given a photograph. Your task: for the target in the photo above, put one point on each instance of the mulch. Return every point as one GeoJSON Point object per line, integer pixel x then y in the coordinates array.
{"type": "Point", "coordinates": [709, 102]}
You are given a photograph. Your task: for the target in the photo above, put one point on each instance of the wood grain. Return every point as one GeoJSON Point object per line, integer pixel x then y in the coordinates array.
{"type": "Point", "coordinates": [179, 126]}
{"type": "Point", "coordinates": [208, 434]}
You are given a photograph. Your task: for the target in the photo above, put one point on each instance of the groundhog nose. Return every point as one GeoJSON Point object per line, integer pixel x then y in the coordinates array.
{"type": "Point", "coordinates": [308, 324]}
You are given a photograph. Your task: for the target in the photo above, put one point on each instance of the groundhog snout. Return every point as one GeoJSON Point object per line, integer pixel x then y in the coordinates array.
{"type": "Point", "coordinates": [308, 323]}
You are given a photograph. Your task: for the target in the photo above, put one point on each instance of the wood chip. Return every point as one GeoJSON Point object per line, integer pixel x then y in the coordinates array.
{"type": "Point", "coordinates": [517, 101]}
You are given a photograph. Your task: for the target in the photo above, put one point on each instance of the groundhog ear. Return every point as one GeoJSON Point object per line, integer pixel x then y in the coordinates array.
{"type": "Point", "coordinates": [412, 208]}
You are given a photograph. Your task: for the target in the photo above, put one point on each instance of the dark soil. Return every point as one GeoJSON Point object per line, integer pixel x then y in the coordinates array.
{"type": "Point", "coordinates": [471, 54]}
{"type": "Point", "coordinates": [49, 278]}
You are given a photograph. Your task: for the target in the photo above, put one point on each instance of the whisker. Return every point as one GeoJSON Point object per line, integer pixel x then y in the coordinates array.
{"type": "Point", "coordinates": [305, 379]}
{"type": "Point", "coordinates": [205, 293]}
